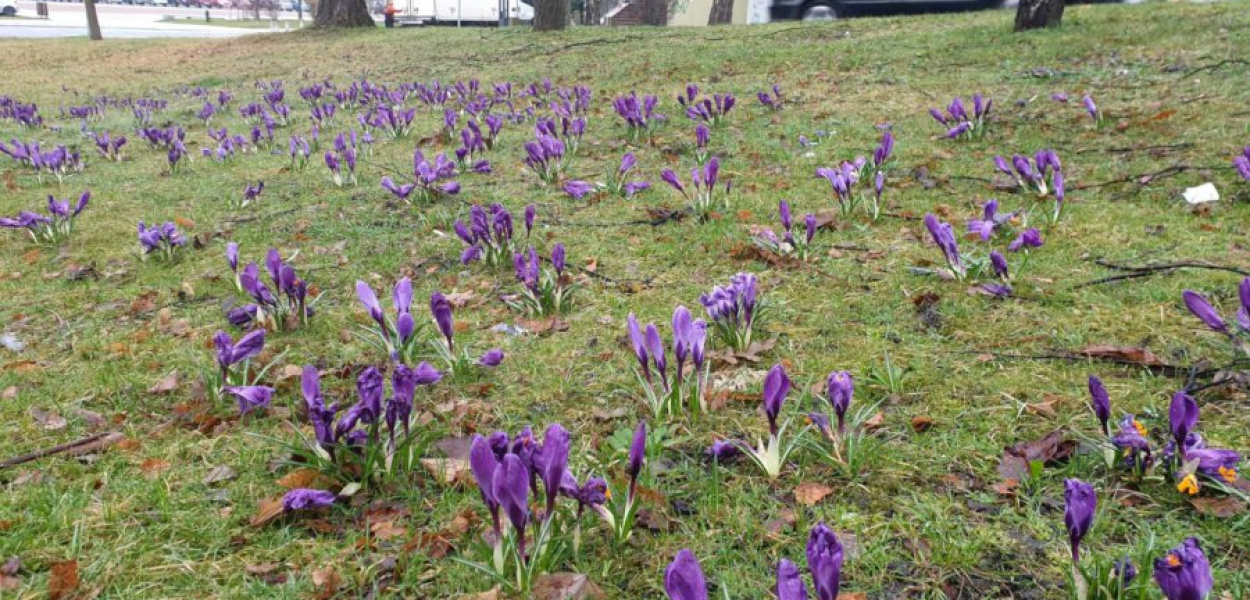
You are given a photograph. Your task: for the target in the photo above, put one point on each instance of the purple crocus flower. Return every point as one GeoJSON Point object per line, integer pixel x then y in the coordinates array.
{"type": "Point", "coordinates": [1059, 97]}
{"type": "Point", "coordinates": [557, 258]}
{"type": "Point", "coordinates": [593, 493]}
{"type": "Point", "coordinates": [990, 220]}
{"type": "Point", "coordinates": [230, 353]}
{"type": "Point", "coordinates": [577, 189]}
{"type": "Point", "coordinates": [840, 388]}
{"type": "Point", "coordinates": [1124, 571]}
{"type": "Point", "coordinates": [670, 178]}
{"type": "Point", "coordinates": [722, 450]}
{"type": "Point", "coordinates": [1243, 313]}
{"type": "Point", "coordinates": [1029, 238]}
{"type": "Point", "coordinates": [554, 463]}
{"type": "Point", "coordinates": [1080, 503]}
{"type": "Point", "coordinates": [824, 560]}
{"type": "Point", "coordinates": [1101, 402]}
{"type": "Point", "coordinates": [510, 488]}
{"type": "Point", "coordinates": [1132, 438]}
{"type": "Point", "coordinates": [440, 309]}
{"type": "Point", "coordinates": [1201, 308]}
{"type": "Point", "coordinates": [491, 358]}
{"type": "Point", "coordinates": [655, 347]}
{"type": "Point", "coordinates": [484, 463]}
{"type": "Point", "coordinates": [639, 344]}
{"type": "Point", "coordinates": [944, 237]}
{"type": "Point", "coordinates": [1184, 573]}
{"type": "Point", "coordinates": [884, 149]}
{"type": "Point", "coordinates": [232, 256]}
{"type": "Point", "coordinates": [370, 300]}
{"type": "Point", "coordinates": [999, 263]}
{"type": "Point", "coordinates": [306, 499]}
{"type": "Point", "coordinates": [790, 582]}
{"type": "Point", "coordinates": [776, 387]}
{"type": "Point", "coordinates": [250, 396]}
{"type": "Point", "coordinates": [787, 221]}
{"type": "Point", "coordinates": [637, 454]}
{"type": "Point", "coordinates": [809, 227]}
{"type": "Point", "coordinates": [530, 212]}
{"type": "Point", "coordinates": [1090, 107]}
{"type": "Point", "coordinates": [1182, 417]}
{"type": "Point", "coordinates": [683, 579]}
{"type": "Point", "coordinates": [1217, 463]}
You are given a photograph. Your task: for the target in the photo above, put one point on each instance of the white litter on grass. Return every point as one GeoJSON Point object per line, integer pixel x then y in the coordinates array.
{"type": "Point", "coordinates": [11, 342]}
{"type": "Point", "coordinates": [1202, 194]}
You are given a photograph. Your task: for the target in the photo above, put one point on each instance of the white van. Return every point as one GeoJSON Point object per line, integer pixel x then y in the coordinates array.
{"type": "Point", "coordinates": [466, 12]}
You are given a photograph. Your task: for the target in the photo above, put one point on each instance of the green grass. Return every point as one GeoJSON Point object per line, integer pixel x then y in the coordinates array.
{"type": "Point", "coordinates": [926, 522]}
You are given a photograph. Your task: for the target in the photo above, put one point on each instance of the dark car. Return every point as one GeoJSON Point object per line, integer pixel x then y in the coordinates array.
{"type": "Point", "coordinates": [825, 10]}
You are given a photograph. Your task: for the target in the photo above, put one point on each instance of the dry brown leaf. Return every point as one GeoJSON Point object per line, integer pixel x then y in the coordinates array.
{"type": "Point", "coordinates": [447, 471]}
{"type": "Point", "coordinates": [63, 580]}
{"type": "Point", "coordinates": [308, 478]}
{"type": "Point", "coordinates": [565, 586]}
{"type": "Point", "coordinates": [1016, 458]}
{"type": "Point", "coordinates": [809, 493]}
{"type": "Point", "coordinates": [266, 511]}
{"type": "Point", "coordinates": [1223, 507]}
{"type": "Point", "coordinates": [1131, 355]}
{"type": "Point", "coordinates": [874, 422]}
{"type": "Point", "coordinates": [921, 423]}
{"type": "Point", "coordinates": [51, 421]}
{"type": "Point", "coordinates": [152, 467]}
{"type": "Point", "coordinates": [387, 530]}
{"type": "Point", "coordinates": [143, 303]}
{"type": "Point", "coordinates": [166, 385]}
{"type": "Point", "coordinates": [219, 474]}
{"type": "Point", "coordinates": [326, 583]}
{"type": "Point", "coordinates": [491, 594]}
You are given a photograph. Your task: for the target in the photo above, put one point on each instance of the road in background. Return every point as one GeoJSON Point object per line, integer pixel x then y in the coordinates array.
{"type": "Point", "coordinates": [69, 19]}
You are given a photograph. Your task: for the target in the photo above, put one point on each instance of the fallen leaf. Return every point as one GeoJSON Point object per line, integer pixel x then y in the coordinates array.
{"type": "Point", "coordinates": [565, 586]}
{"type": "Point", "coordinates": [63, 580]}
{"type": "Point", "coordinates": [455, 447]}
{"type": "Point", "coordinates": [166, 385]}
{"type": "Point", "coordinates": [1130, 355]}
{"type": "Point", "coordinates": [326, 583]}
{"type": "Point", "coordinates": [1017, 457]}
{"type": "Point", "coordinates": [184, 222]}
{"type": "Point", "coordinates": [49, 420]}
{"type": "Point", "coordinates": [874, 422]}
{"type": "Point", "coordinates": [152, 467]}
{"type": "Point", "coordinates": [447, 471]}
{"type": "Point", "coordinates": [491, 594]}
{"type": "Point", "coordinates": [654, 521]}
{"type": "Point", "coordinates": [143, 303]}
{"type": "Point", "coordinates": [921, 423]}
{"type": "Point", "coordinates": [219, 474]}
{"type": "Point", "coordinates": [786, 519]}
{"type": "Point", "coordinates": [602, 414]}
{"type": "Point", "coordinates": [1223, 507]}
{"type": "Point", "coordinates": [387, 530]}
{"type": "Point", "coordinates": [266, 511]}
{"type": "Point", "coordinates": [267, 572]}
{"type": "Point", "coordinates": [93, 419]}
{"type": "Point", "coordinates": [308, 478]}
{"type": "Point", "coordinates": [809, 493]}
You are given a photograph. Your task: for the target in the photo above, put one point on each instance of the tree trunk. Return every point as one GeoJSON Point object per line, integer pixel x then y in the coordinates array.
{"type": "Point", "coordinates": [722, 13]}
{"type": "Point", "coordinates": [343, 13]}
{"type": "Point", "coordinates": [1035, 14]}
{"type": "Point", "coordinates": [551, 15]}
{"type": "Point", "coordinates": [655, 13]}
{"type": "Point", "coordinates": [93, 22]}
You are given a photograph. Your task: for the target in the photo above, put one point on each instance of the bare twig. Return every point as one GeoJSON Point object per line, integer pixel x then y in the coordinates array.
{"type": "Point", "coordinates": [90, 443]}
{"type": "Point", "coordinates": [1214, 66]}
{"type": "Point", "coordinates": [1130, 149]}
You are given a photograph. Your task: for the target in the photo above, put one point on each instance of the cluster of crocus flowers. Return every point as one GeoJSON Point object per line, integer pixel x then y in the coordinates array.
{"type": "Point", "coordinates": [109, 146]}
{"type": "Point", "coordinates": [735, 310]}
{"type": "Point", "coordinates": [251, 193]}
{"type": "Point", "coordinates": [958, 122]}
{"type": "Point", "coordinates": [227, 145]}
{"type": "Point", "coordinates": [356, 436]}
{"type": "Point", "coordinates": [394, 121]}
{"type": "Point", "coordinates": [702, 137]}
{"type": "Point", "coordinates": [543, 292]}
{"type": "Point", "coordinates": [291, 307]}
{"type": "Point", "coordinates": [546, 157]}
{"type": "Point", "coordinates": [58, 162]}
{"type": "Point", "coordinates": [1043, 174]}
{"type": "Point", "coordinates": [342, 166]}
{"type": "Point", "coordinates": [771, 454]}
{"type": "Point", "coordinates": [233, 375]}
{"type": "Point", "coordinates": [177, 152]}
{"type": "Point", "coordinates": [1202, 308]}
{"type": "Point", "coordinates": [788, 244]}
{"type": "Point", "coordinates": [488, 236]}
{"type": "Point", "coordinates": [708, 109]}
{"type": "Point", "coordinates": [163, 240]}
{"type": "Point", "coordinates": [1188, 451]}
{"type": "Point", "coordinates": [991, 221]}
{"type": "Point", "coordinates": [25, 114]}
{"type": "Point", "coordinates": [616, 183]}
{"type": "Point", "coordinates": [507, 470]}
{"type": "Point", "coordinates": [1241, 163]}
{"type": "Point", "coordinates": [299, 151]}
{"type": "Point", "coordinates": [569, 130]}
{"type": "Point", "coordinates": [471, 144]}
{"type": "Point", "coordinates": [639, 114]}
{"type": "Point", "coordinates": [432, 179]}
{"type": "Point", "coordinates": [162, 138]}
{"type": "Point", "coordinates": [307, 499]}
{"type": "Point", "coordinates": [773, 101]}
{"type": "Point", "coordinates": [704, 195]}
{"type": "Point", "coordinates": [56, 226]}
{"type": "Point", "coordinates": [667, 394]}
{"type": "Point", "coordinates": [839, 392]}
{"type": "Point", "coordinates": [842, 180]}
{"type": "Point", "coordinates": [824, 560]}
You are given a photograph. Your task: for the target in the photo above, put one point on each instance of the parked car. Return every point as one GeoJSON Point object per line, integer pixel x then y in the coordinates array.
{"type": "Point", "coordinates": [8, 8]}
{"type": "Point", "coordinates": [827, 10]}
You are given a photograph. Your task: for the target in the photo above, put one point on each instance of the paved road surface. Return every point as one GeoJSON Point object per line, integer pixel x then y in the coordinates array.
{"type": "Point", "coordinates": [122, 21]}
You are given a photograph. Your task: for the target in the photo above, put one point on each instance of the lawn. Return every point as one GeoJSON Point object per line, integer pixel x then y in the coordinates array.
{"type": "Point", "coordinates": [945, 376]}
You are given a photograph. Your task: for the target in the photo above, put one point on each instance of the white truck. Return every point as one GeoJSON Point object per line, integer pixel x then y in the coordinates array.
{"type": "Point", "coordinates": [464, 12]}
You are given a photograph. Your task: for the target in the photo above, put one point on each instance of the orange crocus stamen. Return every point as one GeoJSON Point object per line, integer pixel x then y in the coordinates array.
{"type": "Point", "coordinates": [1141, 429]}
{"type": "Point", "coordinates": [1173, 560]}
{"type": "Point", "coordinates": [1188, 485]}
{"type": "Point", "coordinates": [1229, 475]}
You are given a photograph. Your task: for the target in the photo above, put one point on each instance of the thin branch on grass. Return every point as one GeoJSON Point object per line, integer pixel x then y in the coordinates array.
{"type": "Point", "coordinates": [1131, 149]}
{"type": "Point", "coordinates": [85, 445]}
{"type": "Point", "coordinates": [1214, 66]}
{"type": "Point", "coordinates": [251, 218]}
